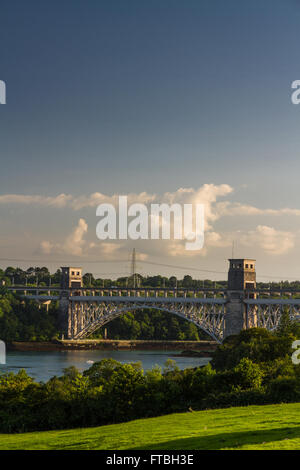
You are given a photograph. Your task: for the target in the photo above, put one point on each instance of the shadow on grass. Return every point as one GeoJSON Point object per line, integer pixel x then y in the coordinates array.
{"type": "Point", "coordinates": [225, 440]}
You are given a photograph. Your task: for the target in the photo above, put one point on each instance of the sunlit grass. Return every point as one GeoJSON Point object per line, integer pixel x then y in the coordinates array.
{"type": "Point", "coordinates": [253, 427]}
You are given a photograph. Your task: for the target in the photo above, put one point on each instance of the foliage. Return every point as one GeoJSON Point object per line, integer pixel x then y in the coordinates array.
{"type": "Point", "coordinates": [25, 320]}
{"type": "Point", "coordinates": [152, 325]}
{"type": "Point", "coordinates": [256, 344]}
{"type": "Point", "coordinates": [252, 427]}
{"type": "Point", "coordinates": [110, 392]}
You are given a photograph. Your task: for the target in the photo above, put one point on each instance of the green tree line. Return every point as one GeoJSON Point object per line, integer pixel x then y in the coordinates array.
{"type": "Point", "coordinates": [253, 367]}
{"type": "Point", "coordinates": [41, 276]}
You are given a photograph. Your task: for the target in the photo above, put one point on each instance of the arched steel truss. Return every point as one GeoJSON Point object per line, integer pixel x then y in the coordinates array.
{"type": "Point", "coordinates": [266, 313]}
{"type": "Point", "coordinates": [85, 317]}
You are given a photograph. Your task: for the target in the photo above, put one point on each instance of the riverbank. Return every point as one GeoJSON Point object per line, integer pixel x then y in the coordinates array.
{"type": "Point", "coordinates": [114, 345]}
{"type": "Point", "coordinates": [42, 365]}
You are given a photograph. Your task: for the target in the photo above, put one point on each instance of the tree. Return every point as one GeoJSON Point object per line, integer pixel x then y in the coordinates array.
{"type": "Point", "coordinates": [288, 326]}
{"type": "Point", "coordinates": [88, 279]}
{"type": "Point", "coordinates": [187, 281]}
{"type": "Point", "coordinates": [257, 344]}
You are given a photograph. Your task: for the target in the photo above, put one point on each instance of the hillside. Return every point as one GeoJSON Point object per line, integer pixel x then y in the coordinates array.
{"type": "Point", "coordinates": [253, 427]}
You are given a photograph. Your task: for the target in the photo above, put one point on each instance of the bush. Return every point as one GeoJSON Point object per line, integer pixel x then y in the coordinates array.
{"type": "Point", "coordinates": [284, 389]}
{"type": "Point", "coordinates": [251, 368]}
{"type": "Point", "coordinates": [235, 398]}
{"type": "Point", "coordinates": [256, 344]}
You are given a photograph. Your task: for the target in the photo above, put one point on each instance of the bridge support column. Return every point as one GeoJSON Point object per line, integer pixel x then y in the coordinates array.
{"type": "Point", "coordinates": [241, 277]}
{"type": "Point", "coordinates": [235, 318]}
{"type": "Point", "coordinates": [74, 319]}
{"type": "Point", "coordinates": [64, 312]}
{"type": "Point", "coordinates": [69, 323]}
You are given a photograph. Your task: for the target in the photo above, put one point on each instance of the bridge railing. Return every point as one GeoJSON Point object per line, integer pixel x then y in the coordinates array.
{"type": "Point", "coordinates": [209, 293]}
{"type": "Point", "coordinates": [284, 293]}
{"type": "Point", "coordinates": [122, 291]}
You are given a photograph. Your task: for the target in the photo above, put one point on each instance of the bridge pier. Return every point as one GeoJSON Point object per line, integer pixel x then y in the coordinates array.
{"type": "Point", "coordinates": [64, 312]}
{"type": "Point", "coordinates": [235, 318]}
{"type": "Point", "coordinates": [241, 277]}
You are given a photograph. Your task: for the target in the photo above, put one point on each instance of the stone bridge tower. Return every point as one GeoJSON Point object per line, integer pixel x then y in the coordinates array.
{"type": "Point", "coordinates": [241, 277]}
{"type": "Point", "coordinates": [70, 277]}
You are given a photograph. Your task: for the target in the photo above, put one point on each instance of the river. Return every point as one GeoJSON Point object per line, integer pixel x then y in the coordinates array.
{"type": "Point", "coordinates": [44, 365]}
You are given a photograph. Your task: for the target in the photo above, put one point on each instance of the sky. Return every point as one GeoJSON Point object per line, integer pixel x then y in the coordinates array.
{"type": "Point", "coordinates": [161, 100]}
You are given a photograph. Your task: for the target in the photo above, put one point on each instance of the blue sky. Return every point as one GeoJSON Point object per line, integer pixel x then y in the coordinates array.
{"type": "Point", "coordinates": [119, 96]}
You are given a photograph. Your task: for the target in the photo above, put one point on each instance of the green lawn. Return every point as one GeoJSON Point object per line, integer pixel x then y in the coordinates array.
{"type": "Point", "coordinates": [253, 427]}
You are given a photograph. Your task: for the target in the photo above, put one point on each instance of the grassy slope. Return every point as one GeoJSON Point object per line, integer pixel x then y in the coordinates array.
{"type": "Point", "coordinates": [253, 427]}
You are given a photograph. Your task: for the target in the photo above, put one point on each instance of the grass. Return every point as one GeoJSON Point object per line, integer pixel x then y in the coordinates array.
{"type": "Point", "coordinates": [253, 427]}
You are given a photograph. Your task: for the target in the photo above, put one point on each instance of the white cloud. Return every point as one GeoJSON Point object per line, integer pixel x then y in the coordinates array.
{"type": "Point", "coordinates": [268, 238]}
{"type": "Point", "coordinates": [236, 209]}
{"type": "Point", "coordinates": [94, 199]}
{"type": "Point", "coordinates": [46, 247]}
{"type": "Point", "coordinates": [57, 201]}
{"type": "Point", "coordinates": [207, 194]}
{"type": "Point", "coordinates": [109, 249]}
{"type": "Point", "coordinates": [272, 241]}
{"type": "Point", "coordinates": [74, 244]}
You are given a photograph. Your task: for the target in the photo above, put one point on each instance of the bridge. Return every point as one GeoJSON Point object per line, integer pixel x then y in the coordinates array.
{"type": "Point", "coordinates": [218, 312]}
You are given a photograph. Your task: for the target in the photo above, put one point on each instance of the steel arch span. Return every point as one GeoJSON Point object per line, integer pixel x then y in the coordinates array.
{"type": "Point", "coordinates": [267, 313]}
{"type": "Point", "coordinates": [86, 317]}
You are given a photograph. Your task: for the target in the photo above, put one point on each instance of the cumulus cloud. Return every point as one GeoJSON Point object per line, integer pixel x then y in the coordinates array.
{"type": "Point", "coordinates": [272, 241]}
{"type": "Point", "coordinates": [109, 249]}
{"type": "Point", "coordinates": [226, 208]}
{"type": "Point", "coordinates": [94, 199]}
{"type": "Point", "coordinates": [268, 238]}
{"type": "Point", "coordinates": [46, 247]}
{"type": "Point", "coordinates": [74, 243]}
{"type": "Point", "coordinates": [61, 200]}
{"type": "Point", "coordinates": [207, 194]}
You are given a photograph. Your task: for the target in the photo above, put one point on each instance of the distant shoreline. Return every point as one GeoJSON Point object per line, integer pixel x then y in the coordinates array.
{"type": "Point", "coordinates": [193, 347]}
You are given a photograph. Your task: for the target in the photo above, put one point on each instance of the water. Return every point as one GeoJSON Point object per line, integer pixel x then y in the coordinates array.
{"type": "Point", "coordinates": [44, 365]}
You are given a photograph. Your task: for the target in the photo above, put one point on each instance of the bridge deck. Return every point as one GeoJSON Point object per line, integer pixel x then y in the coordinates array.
{"type": "Point", "coordinates": [94, 298]}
